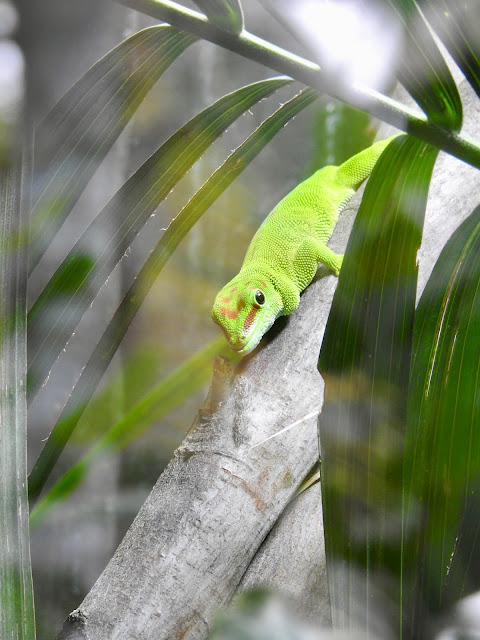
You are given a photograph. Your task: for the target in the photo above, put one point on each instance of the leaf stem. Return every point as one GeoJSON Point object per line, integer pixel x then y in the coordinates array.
{"type": "Point", "coordinates": [309, 73]}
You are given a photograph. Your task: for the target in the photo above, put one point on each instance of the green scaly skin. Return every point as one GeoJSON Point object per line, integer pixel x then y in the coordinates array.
{"type": "Point", "coordinates": [283, 257]}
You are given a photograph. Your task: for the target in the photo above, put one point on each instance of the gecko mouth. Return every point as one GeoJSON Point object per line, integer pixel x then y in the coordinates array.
{"type": "Point", "coordinates": [256, 332]}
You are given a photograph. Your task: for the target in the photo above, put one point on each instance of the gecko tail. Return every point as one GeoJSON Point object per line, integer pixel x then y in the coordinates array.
{"type": "Point", "coordinates": [357, 168]}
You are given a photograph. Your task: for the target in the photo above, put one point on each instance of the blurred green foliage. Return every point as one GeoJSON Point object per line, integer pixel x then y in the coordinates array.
{"type": "Point", "coordinates": [410, 512]}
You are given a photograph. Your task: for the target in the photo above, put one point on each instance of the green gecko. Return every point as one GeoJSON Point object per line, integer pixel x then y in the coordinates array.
{"type": "Point", "coordinates": [283, 256]}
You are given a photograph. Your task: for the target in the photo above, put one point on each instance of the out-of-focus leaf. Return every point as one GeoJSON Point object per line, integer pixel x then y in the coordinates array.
{"type": "Point", "coordinates": [80, 130]}
{"type": "Point", "coordinates": [88, 265]}
{"type": "Point", "coordinates": [457, 25]}
{"type": "Point", "coordinates": [139, 371]}
{"type": "Point", "coordinates": [365, 359]}
{"type": "Point", "coordinates": [171, 392]}
{"type": "Point", "coordinates": [124, 315]}
{"type": "Point", "coordinates": [227, 14]}
{"type": "Point", "coordinates": [442, 462]}
{"type": "Point", "coordinates": [341, 131]}
{"type": "Point", "coordinates": [17, 620]}
{"type": "Point", "coordinates": [259, 614]}
{"type": "Point", "coordinates": [423, 70]}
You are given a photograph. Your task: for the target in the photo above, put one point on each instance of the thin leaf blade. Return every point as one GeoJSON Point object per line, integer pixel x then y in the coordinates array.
{"type": "Point", "coordinates": [456, 24]}
{"type": "Point", "coordinates": [423, 70]}
{"type": "Point", "coordinates": [79, 131]}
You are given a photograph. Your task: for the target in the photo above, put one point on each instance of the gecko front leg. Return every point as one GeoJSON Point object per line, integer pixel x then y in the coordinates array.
{"type": "Point", "coordinates": [312, 251]}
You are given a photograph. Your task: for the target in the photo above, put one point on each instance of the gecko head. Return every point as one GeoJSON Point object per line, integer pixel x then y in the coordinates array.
{"type": "Point", "coordinates": [245, 309]}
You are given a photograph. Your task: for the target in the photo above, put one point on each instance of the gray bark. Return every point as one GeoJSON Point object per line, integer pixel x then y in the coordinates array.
{"type": "Point", "coordinates": [291, 560]}
{"type": "Point", "coordinates": [198, 538]}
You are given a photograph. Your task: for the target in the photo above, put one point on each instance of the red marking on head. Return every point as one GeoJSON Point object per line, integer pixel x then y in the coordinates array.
{"type": "Point", "coordinates": [263, 283]}
{"type": "Point", "coordinates": [225, 300]}
{"type": "Point", "coordinates": [232, 314]}
{"type": "Point", "coordinates": [249, 319]}
{"type": "Point", "coordinates": [233, 290]}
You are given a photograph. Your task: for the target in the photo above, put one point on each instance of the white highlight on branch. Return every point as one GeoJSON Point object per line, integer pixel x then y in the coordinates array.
{"type": "Point", "coordinates": [290, 426]}
{"type": "Point", "coordinates": [357, 45]}
{"type": "Point", "coordinates": [8, 18]}
{"type": "Point", "coordinates": [12, 68]}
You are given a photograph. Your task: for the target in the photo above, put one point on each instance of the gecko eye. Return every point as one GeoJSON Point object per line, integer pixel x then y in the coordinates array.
{"type": "Point", "coordinates": [259, 297]}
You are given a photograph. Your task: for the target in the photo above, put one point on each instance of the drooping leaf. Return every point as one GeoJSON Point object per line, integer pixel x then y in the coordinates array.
{"type": "Point", "coordinates": [457, 25]}
{"type": "Point", "coordinates": [80, 130]}
{"type": "Point", "coordinates": [17, 620]}
{"type": "Point", "coordinates": [365, 360]}
{"type": "Point", "coordinates": [124, 315]}
{"type": "Point", "coordinates": [88, 265]}
{"type": "Point", "coordinates": [423, 70]}
{"type": "Point", "coordinates": [227, 14]}
{"type": "Point", "coordinates": [442, 462]}
{"type": "Point", "coordinates": [171, 392]}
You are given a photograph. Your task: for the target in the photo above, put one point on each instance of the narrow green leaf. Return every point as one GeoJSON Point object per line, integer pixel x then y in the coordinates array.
{"type": "Point", "coordinates": [457, 25]}
{"type": "Point", "coordinates": [80, 130]}
{"type": "Point", "coordinates": [423, 70]}
{"type": "Point", "coordinates": [124, 315]}
{"type": "Point", "coordinates": [442, 465]}
{"type": "Point", "coordinates": [227, 14]}
{"type": "Point", "coordinates": [92, 259]}
{"type": "Point", "coordinates": [171, 392]}
{"type": "Point", "coordinates": [17, 621]}
{"type": "Point", "coordinates": [365, 360]}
